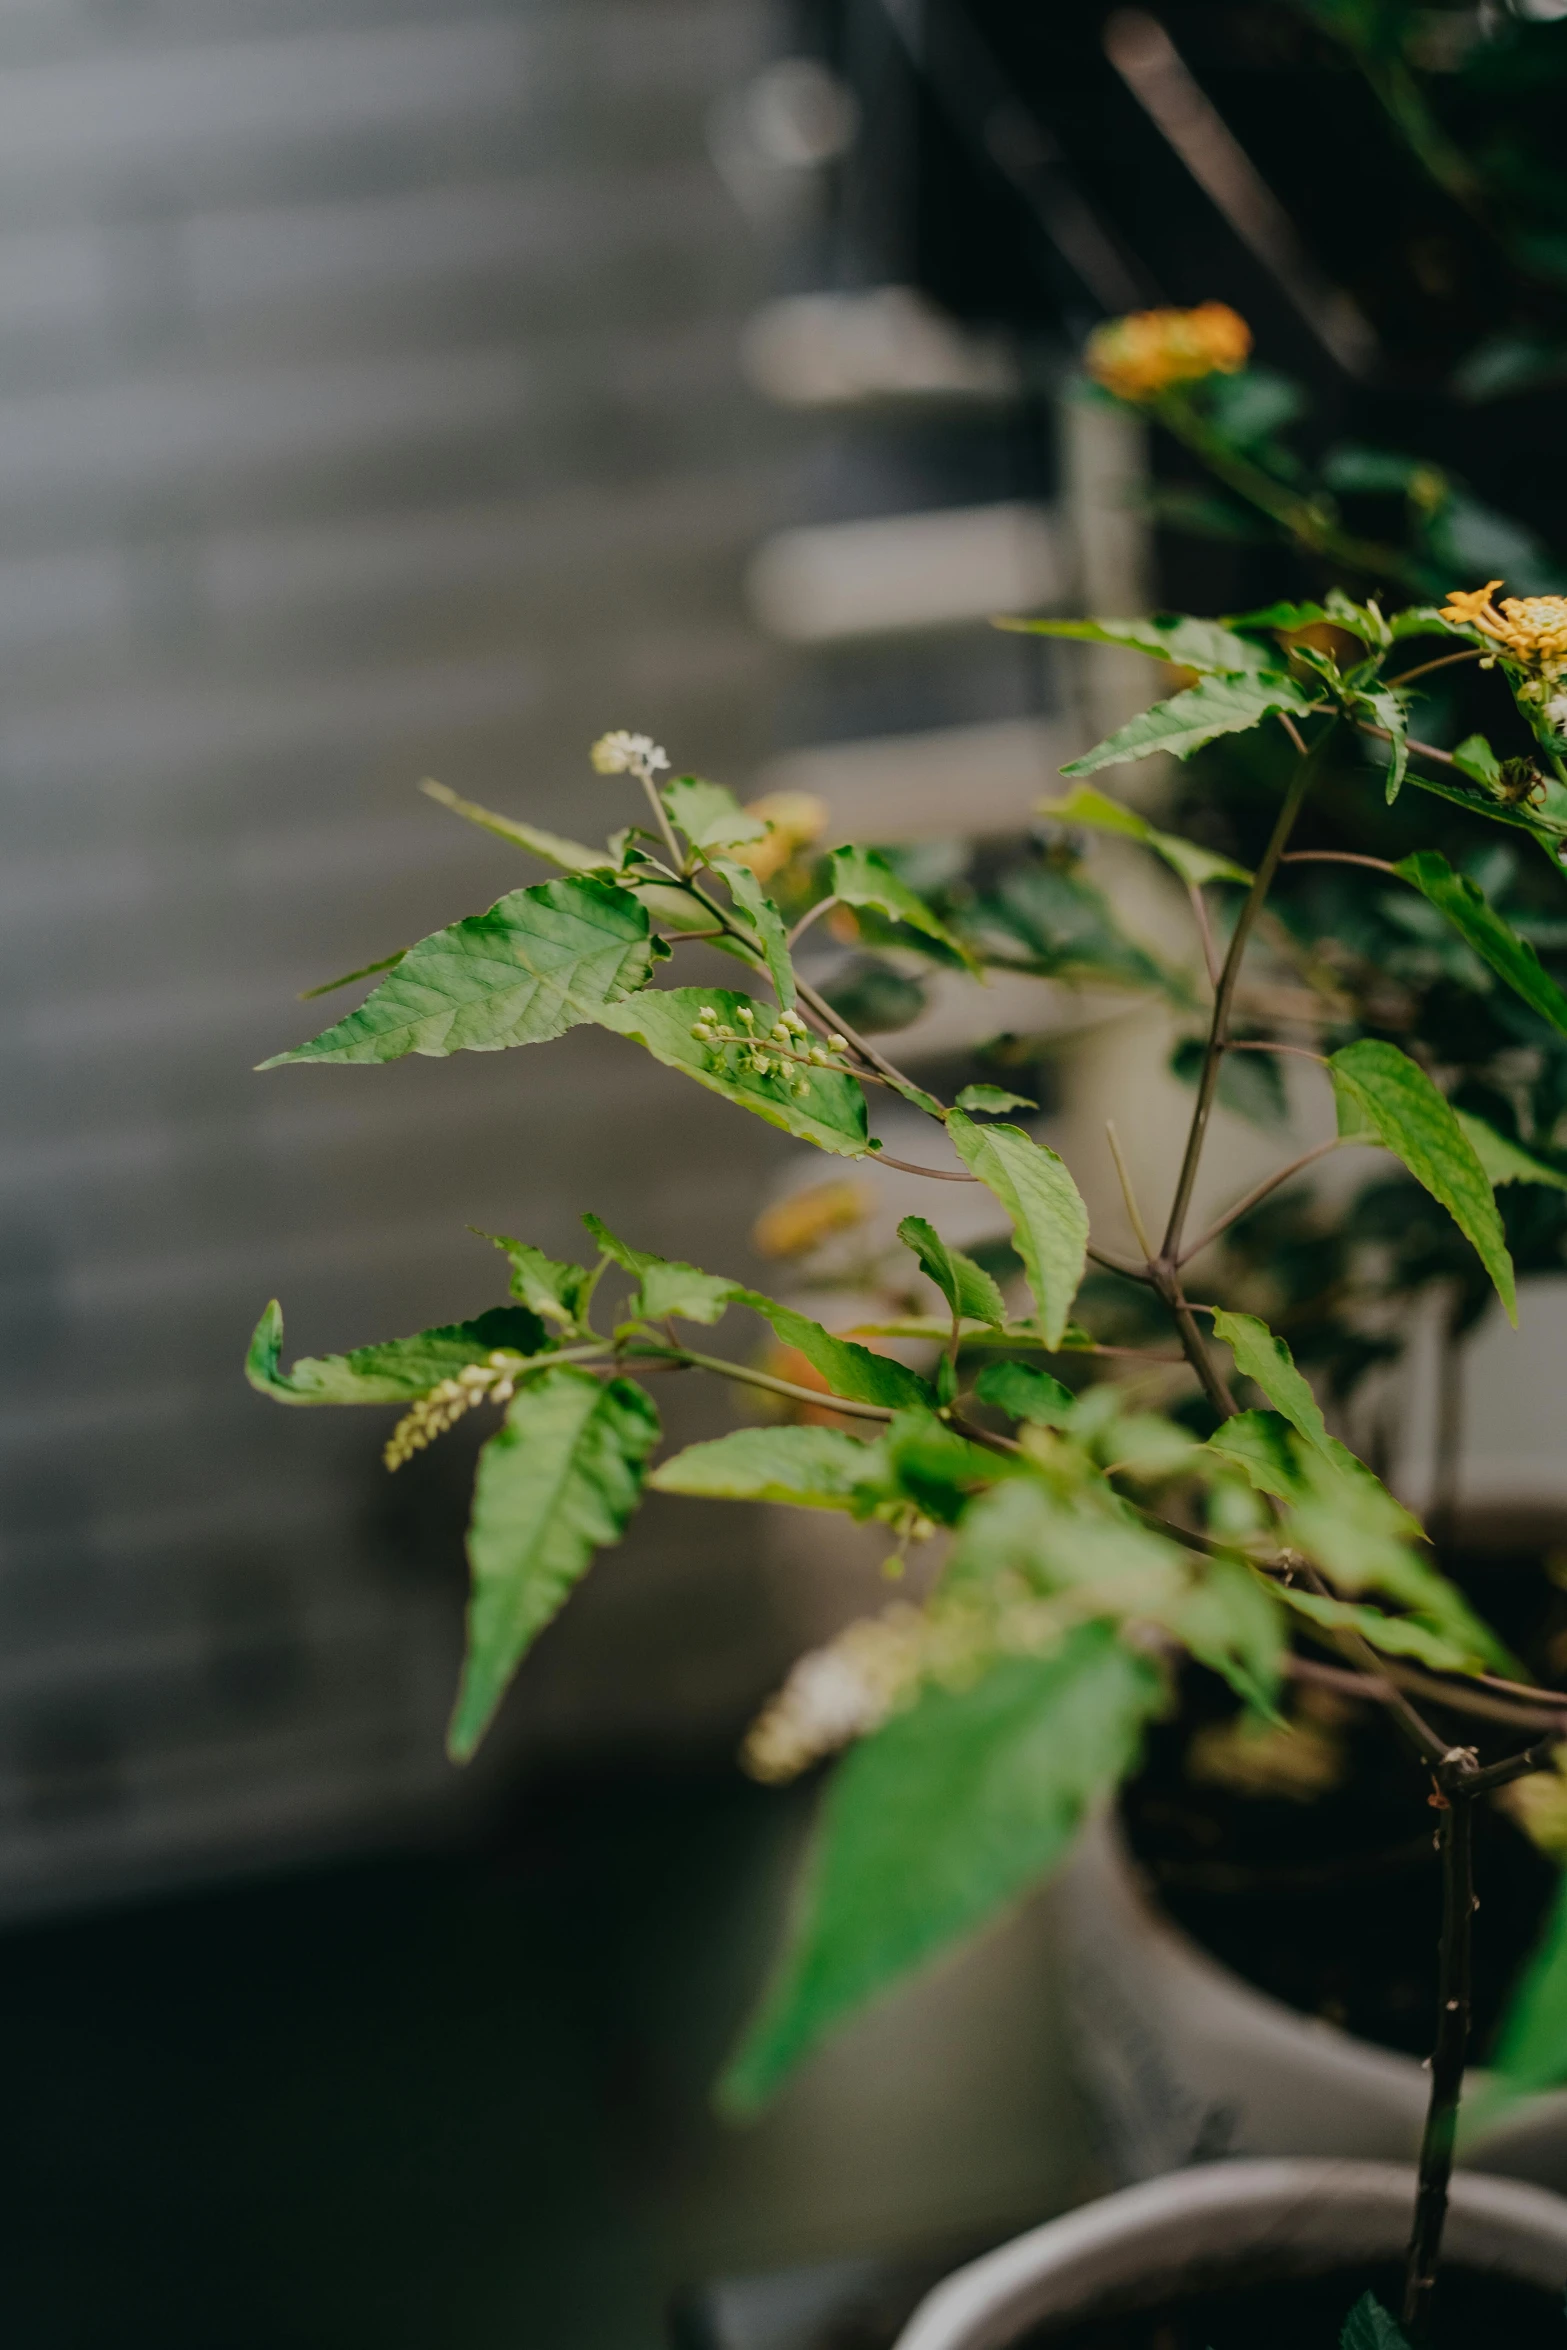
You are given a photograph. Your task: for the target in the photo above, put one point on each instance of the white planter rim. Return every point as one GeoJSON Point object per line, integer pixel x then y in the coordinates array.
{"type": "Point", "coordinates": [1296, 2217]}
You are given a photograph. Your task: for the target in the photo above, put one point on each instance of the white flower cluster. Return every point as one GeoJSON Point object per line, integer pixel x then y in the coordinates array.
{"type": "Point", "coordinates": [784, 1047]}
{"type": "Point", "coordinates": [620, 753]}
{"type": "Point", "coordinates": [837, 1694]}
{"type": "Point", "coordinates": [491, 1382]}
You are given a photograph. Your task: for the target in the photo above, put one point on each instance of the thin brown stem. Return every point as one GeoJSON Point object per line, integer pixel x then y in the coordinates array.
{"type": "Point", "coordinates": [1404, 677]}
{"type": "Point", "coordinates": [1134, 1214]}
{"type": "Point", "coordinates": [1223, 1000]}
{"type": "Point", "coordinates": [661, 819]}
{"type": "Point", "coordinates": [821, 907]}
{"type": "Point", "coordinates": [820, 1397]}
{"type": "Point", "coordinates": [1468, 1699]}
{"type": "Point", "coordinates": [1336, 857]}
{"type": "Point", "coordinates": [1264, 1044]}
{"type": "Point", "coordinates": [867, 1052]}
{"type": "Point", "coordinates": [1256, 1195]}
{"type": "Point", "coordinates": [1210, 953]}
{"type": "Point", "coordinates": [1456, 1837]}
{"type": "Point", "coordinates": [908, 1167]}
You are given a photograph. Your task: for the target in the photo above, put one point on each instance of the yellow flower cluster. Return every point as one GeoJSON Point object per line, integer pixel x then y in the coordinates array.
{"type": "Point", "coordinates": [793, 1226]}
{"type": "Point", "coordinates": [1150, 351]}
{"type": "Point", "coordinates": [1530, 631]}
{"type": "Point", "coordinates": [794, 819]}
{"type": "Point", "coordinates": [444, 1406]}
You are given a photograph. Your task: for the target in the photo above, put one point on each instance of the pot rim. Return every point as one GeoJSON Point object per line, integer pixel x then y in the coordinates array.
{"type": "Point", "coordinates": [1311, 2213]}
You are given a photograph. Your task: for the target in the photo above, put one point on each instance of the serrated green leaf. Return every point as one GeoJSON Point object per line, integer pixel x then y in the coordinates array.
{"type": "Point", "coordinates": [395, 1371]}
{"type": "Point", "coordinates": [1492, 937]}
{"type": "Point", "coordinates": [1531, 2049]}
{"type": "Point", "coordinates": [1388, 712]}
{"type": "Point", "coordinates": [1181, 725]}
{"type": "Point", "coordinates": [572, 856]}
{"type": "Point", "coordinates": [993, 1099]}
{"type": "Point", "coordinates": [708, 815]}
{"type": "Point", "coordinates": [1504, 1161]}
{"type": "Point", "coordinates": [1393, 1095]}
{"type": "Point", "coordinates": [1370, 2327]}
{"type": "Point", "coordinates": [1230, 1620]}
{"type": "Point", "coordinates": [1044, 1205]}
{"type": "Point", "coordinates": [541, 961]}
{"type": "Point", "coordinates": [558, 1291]}
{"type": "Point", "coordinates": [668, 1286]}
{"type": "Point", "coordinates": [966, 1289]}
{"type": "Point", "coordinates": [1256, 1442]}
{"type": "Point", "coordinates": [1067, 930]}
{"type": "Point", "coordinates": [941, 1470]}
{"type": "Point", "coordinates": [830, 1113]}
{"type": "Point", "coordinates": [1393, 1635]}
{"type": "Point", "coordinates": [848, 1369]}
{"type": "Point", "coordinates": [1174, 637]}
{"type": "Point", "coordinates": [863, 877]}
{"type": "Point", "coordinates": [555, 1484]}
{"type": "Point", "coordinates": [1475, 758]}
{"type": "Point", "coordinates": [813, 1468]}
{"type": "Point", "coordinates": [1194, 864]}
{"type": "Point", "coordinates": [1027, 1394]}
{"type": "Point", "coordinates": [935, 1824]}
{"type": "Point", "coordinates": [755, 907]}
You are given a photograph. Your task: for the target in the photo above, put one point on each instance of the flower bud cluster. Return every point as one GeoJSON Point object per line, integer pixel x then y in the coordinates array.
{"type": "Point", "coordinates": [1150, 351]}
{"type": "Point", "coordinates": [490, 1382]}
{"type": "Point", "coordinates": [787, 1046]}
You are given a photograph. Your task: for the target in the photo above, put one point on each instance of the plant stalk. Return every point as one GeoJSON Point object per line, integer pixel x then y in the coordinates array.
{"type": "Point", "coordinates": [1456, 1837]}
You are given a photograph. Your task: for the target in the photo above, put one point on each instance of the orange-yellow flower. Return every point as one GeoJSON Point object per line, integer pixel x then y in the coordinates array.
{"type": "Point", "coordinates": [1148, 351]}
{"type": "Point", "coordinates": [793, 818]}
{"type": "Point", "coordinates": [806, 1218]}
{"type": "Point", "coordinates": [1530, 631]}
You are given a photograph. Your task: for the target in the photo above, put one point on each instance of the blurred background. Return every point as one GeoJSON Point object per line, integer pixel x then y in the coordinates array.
{"type": "Point", "coordinates": [388, 391]}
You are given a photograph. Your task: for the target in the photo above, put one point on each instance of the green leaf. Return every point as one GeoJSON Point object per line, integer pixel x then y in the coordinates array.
{"type": "Point", "coordinates": [1394, 1635]}
{"type": "Point", "coordinates": [560, 1292]}
{"type": "Point", "coordinates": [1254, 1440]}
{"type": "Point", "coordinates": [573, 856]}
{"type": "Point", "coordinates": [1174, 637]}
{"type": "Point", "coordinates": [1369, 2327]}
{"type": "Point", "coordinates": [814, 1468]}
{"type": "Point", "coordinates": [539, 962]}
{"type": "Point", "coordinates": [941, 1470]}
{"type": "Point", "coordinates": [1394, 1096]}
{"type": "Point", "coordinates": [1494, 939]}
{"type": "Point", "coordinates": [993, 1099]}
{"type": "Point", "coordinates": [1027, 1394]}
{"type": "Point", "coordinates": [1067, 930]}
{"type": "Point", "coordinates": [1531, 2050]}
{"type": "Point", "coordinates": [555, 1484]}
{"type": "Point", "coordinates": [1476, 759]}
{"type": "Point", "coordinates": [831, 1112]}
{"type": "Point", "coordinates": [668, 1287]}
{"type": "Point", "coordinates": [395, 1371]}
{"type": "Point", "coordinates": [1230, 1621]}
{"type": "Point", "coordinates": [1262, 1356]}
{"type": "Point", "coordinates": [1388, 711]}
{"type": "Point", "coordinates": [848, 1369]}
{"type": "Point", "coordinates": [365, 971]}
{"type": "Point", "coordinates": [1504, 1161]}
{"type": "Point", "coordinates": [709, 816]}
{"type": "Point", "coordinates": [945, 1817]}
{"type": "Point", "coordinates": [754, 905]}
{"type": "Point", "coordinates": [1214, 706]}
{"type": "Point", "coordinates": [1196, 865]}
{"type": "Point", "coordinates": [966, 1289]}
{"type": "Point", "coordinates": [863, 877]}
{"type": "Point", "coordinates": [1283, 616]}
{"type": "Point", "coordinates": [1045, 1207]}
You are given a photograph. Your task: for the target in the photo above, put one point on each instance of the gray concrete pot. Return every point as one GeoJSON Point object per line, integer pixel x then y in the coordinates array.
{"type": "Point", "coordinates": [1181, 2061]}
{"type": "Point", "coordinates": [1281, 2219]}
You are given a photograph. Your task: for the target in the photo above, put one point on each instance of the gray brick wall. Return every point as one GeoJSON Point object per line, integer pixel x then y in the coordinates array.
{"type": "Point", "coordinates": [369, 408]}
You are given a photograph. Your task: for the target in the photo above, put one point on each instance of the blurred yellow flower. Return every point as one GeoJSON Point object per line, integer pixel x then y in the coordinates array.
{"type": "Point", "coordinates": [1148, 351]}
{"type": "Point", "coordinates": [808, 1217]}
{"type": "Point", "coordinates": [794, 820]}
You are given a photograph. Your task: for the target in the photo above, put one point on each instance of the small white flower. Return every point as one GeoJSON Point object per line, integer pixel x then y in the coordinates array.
{"type": "Point", "coordinates": [620, 753]}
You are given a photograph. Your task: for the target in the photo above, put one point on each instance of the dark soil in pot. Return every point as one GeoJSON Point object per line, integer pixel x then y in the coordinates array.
{"type": "Point", "coordinates": [1473, 2312]}
{"type": "Point", "coordinates": [1330, 1900]}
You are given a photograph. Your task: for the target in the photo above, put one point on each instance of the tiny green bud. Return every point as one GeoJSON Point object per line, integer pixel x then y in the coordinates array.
{"type": "Point", "coordinates": [702, 1033]}
{"type": "Point", "coordinates": [837, 1043]}
{"type": "Point", "coordinates": [706, 1012]}
{"type": "Point", "coordinates": [818, 1058]}
{"type": "Point", "coordinates": [780, 1032]}
{"type": "Point", "coordinates": [745, 1013]}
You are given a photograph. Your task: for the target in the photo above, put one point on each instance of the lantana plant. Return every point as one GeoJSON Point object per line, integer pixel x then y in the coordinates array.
{"type": "Point", "coordinates": [1088, 1540]}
